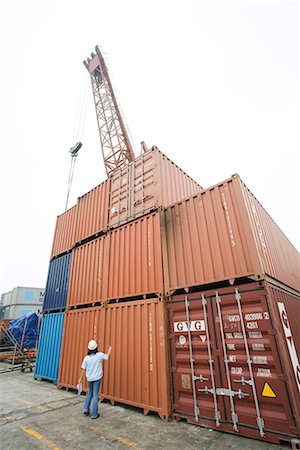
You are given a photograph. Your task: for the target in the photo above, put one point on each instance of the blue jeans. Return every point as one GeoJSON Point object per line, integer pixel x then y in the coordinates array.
{"type": "Point", "coordinates": [94, 387]}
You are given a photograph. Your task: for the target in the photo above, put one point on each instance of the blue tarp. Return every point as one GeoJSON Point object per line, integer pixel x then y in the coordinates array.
{"type": "Point", "coordinates": [31, 324]}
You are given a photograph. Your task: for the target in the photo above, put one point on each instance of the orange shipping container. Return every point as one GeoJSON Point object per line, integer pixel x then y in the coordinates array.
{"type": "Point", "coordinates": [86, 273]}
{"type": "Point", "coordinates": [150, 181]}
{"type": "Point", "coordinates": [134, 263]}
{"type": "Point", "coordinates": [92, 216]}
{"type": "Point", "coordinates": [224, 233]}
{"type": "Point", "coordinates": [64, 235]}
{"type": "Point", "coordinates": [137, 371]}
{"type": "Point", "coordinates": [125, 262]}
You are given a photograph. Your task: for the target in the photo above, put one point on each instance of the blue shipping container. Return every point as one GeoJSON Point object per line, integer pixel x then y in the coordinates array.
{"type": "Point", "coordinates": [57, 284]}
{"type": "Point", "coordinates": [47, 360]}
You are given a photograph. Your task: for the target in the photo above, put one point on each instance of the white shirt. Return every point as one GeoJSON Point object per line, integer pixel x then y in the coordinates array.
{"type": "Point", "coordinates": [93, 366]}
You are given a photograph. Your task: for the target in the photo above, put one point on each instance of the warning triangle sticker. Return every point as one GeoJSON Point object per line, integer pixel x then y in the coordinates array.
{"type": "Point", "coordinates": [268, 391]}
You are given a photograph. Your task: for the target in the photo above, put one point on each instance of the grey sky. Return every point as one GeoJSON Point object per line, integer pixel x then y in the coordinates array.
{"type": "Point", "coordinates": [215, 85]}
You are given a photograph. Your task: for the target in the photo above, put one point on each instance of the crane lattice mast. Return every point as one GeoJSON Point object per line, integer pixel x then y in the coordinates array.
{"type": "Point", "coordinates": [116, 147]}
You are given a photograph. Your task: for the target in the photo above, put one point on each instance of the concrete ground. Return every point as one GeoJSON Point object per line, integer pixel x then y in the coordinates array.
{"type": "Point", "coordinates": [36, 415]}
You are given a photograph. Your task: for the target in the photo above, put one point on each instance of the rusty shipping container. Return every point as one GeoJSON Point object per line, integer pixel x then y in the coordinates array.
{"type": "Point", "coordinates": [126, 262]}
{"type": "Point", "coordinates": [136, 373]}
{"type": "Point", "coordinates": [92, 212]}
{"type": "Point", "coordinates": [150, 181]}
{"type": "Point", "coordinates": [235, 366]}
{"type": "Point", "coordinates": [224, 233]}
{"type": "Point", "coordinates": [64, 234]}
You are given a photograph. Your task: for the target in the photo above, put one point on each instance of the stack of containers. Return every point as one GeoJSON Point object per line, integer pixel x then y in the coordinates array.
{"type": "Point", "coordinates": [115, 280]}
{"type": "Point", "coordinates": [233, 284]}
{"type": "Point", "coordinates": [48, 355]}
{"type": "Point", "coordinates": [197, 291]}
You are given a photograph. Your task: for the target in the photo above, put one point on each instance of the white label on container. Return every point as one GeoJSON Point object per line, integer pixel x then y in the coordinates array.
{"type": "Point", "coordinates": [260, 360]}
{"type": "Point", "coordinates": [251, 325]}
{"type": "Point", "coordinates": [232, 358]}
{"type": "Point", "coordinates": [236, 370]}
{"type": "Point", "coordinates": [150, 343]}
{"type": "Point", "coordinates": [194, 325]}
{"type": "Point", "coordinates": [232, 318]}
{"type": "Point", "coordinates": [238, 335]}
{"type": "Point", "coordinates": [255, 335]}
{"type": "Point", "coordinates": [290, 342]}
{"type": "Point", "coordinates": [228, 220]}
{"type": "Point", "coordinates": [254, 316]}
{"type": "Point", "coordinates": [259, 347]}
{"type": "Point", "coordinates": [257, 222]}
{"type": "Point", "coordinates": [231, 346]}
{"type": "Point", "coordinates": [265, 373]}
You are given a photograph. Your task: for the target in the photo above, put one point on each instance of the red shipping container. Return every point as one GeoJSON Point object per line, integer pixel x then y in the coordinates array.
{"type": "Point", "coordinates": [137, 370]}
{"type": "Point", "coordinates": [235, 366]}
{"type": "Point", "coordinates": [224, 233]}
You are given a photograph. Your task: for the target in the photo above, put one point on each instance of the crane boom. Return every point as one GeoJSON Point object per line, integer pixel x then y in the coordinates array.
{"type": "Point", "coordinates": [116, 147]}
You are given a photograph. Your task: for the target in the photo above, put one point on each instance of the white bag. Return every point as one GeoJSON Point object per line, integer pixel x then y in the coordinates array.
{"type": "Point", "coordinates": [79, 388]}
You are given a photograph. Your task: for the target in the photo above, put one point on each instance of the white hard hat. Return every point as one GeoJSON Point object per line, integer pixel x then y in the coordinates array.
{"type": "Point", "coordinates": [92, 345]}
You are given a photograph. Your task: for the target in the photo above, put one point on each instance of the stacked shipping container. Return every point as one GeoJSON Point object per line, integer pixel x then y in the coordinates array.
{"type": "Point", "coordinates": [131, 258]}
{"type": "Point", "coordinates": [114, 252]}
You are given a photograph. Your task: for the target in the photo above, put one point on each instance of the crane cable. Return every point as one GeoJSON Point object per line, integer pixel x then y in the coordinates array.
{"type": "Point", "coordinates": [78, 130]}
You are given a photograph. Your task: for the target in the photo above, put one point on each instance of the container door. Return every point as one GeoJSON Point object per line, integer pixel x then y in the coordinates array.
{"type": "Point", "coordinates": [251, 374]}
{"type": "Point", "coordinates": [195, 374]}
{"type": "Point", "coordinates": [226, 368]}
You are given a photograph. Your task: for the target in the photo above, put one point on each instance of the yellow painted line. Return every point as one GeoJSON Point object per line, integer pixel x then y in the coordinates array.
{"type": "Point", "coordinates": [28, 402]}
{"type": "Point", "coordinates": [110, 436]}
{"type": "Point", "coordinates": [39, 437]}
{"type": "Point", "coordinates": [128, 443]}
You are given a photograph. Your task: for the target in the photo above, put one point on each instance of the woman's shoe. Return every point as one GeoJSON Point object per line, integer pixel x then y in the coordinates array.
{"type": "Point", "coordinates": [86, 413]}
{"type": "Point", "coordinates": [95, 416]}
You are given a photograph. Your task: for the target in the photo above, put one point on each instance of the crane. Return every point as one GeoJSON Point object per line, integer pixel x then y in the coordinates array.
{"type": "Point", "coordinates": [116, 146]}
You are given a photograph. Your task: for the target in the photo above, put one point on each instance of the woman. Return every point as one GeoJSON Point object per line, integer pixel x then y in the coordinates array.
{"type": "Point", "coordinates": [92, 365]}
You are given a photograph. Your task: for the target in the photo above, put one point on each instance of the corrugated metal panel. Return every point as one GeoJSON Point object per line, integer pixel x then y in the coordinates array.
{"type": "Point", "coordinates": [86, 275]}
{"type": "Point", "coordinates": [174, 184]}
{"type": "Point", "coordinates": [78, 331]}
{"type": "Point", "coordinates": [136, 373]}
{"type": "Point", "coordinates": [226, 339]}
{"type": "Point", "coordinates": [124, 263]}
{"type": "Point", "coordinates": [210, 238]}
{"type": "Point", "coordinates": [49, 347]}
{"type": "Point", "coordinates": [150, 181]}
{"type": "Point", "coordinates": [57, 283]}
{"type": "Point", "coordinates": [64, 235]}
{"type": "Point", "coordinates": [92, 212]}
{"type": "Point", "coordinates": [279, 257]}
{"type": "Point", "coordinates": [134, 264]}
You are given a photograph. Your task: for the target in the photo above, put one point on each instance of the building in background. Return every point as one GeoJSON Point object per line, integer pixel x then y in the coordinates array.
{"type": "Point", "coordinates": [20, 301]}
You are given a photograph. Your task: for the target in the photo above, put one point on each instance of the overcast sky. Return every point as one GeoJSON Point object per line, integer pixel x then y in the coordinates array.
{"type": "Point", "coordinates": [215, 85]}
